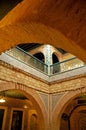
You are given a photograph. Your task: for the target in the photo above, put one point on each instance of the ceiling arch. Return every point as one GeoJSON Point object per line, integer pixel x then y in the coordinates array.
{"type": "Point", "coordinates": [59, 23]}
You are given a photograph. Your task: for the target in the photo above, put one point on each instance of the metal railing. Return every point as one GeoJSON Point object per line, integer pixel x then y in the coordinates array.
{"type": "Point", "coordinates": [66, 65]}
{"type": "Point", "coordinates": [32, 61]}
{"type": "Point", "coordinates": [27, 59]}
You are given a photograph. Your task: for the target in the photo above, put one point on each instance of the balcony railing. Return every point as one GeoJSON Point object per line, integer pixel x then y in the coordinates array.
{"type": "Point", "coordinates": [60, 67]}
{"type": "Point", "coordinates": [67, 65]}
{"type": "Point", "coordinates": [27, 59]}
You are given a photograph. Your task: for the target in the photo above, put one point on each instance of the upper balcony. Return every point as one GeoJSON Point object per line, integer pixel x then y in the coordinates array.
{"type": "Point", "coordinates": [28, 63]}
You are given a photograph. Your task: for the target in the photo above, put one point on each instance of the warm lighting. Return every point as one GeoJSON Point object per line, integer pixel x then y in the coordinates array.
{"type": "Point", "coordinates": [25, 107]}
{"type": "Point", "coordinates": [2, 100]}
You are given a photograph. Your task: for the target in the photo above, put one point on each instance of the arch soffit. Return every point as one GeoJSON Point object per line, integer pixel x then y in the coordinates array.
{"type": "Point", "coordinates": [29, 32]}
{"type": "Point", "coordinates": [63, 102]}
{"type": "Point", "coordinates": [28, 92]}
{"type": "Point", "coordinates": [25, 32]}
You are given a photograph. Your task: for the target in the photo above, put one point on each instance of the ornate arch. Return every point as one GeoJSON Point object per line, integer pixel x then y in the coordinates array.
{"type": "Point", "coordinates": [61, 105]}
{"type": "Point", "coordinates": [31, 94]}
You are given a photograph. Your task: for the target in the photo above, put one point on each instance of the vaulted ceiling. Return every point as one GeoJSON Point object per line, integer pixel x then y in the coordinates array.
{"type": "Point", "coordinates": [61, 23]}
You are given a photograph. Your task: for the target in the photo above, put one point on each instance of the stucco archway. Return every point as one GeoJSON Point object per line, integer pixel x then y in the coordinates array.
{"type": "Point", "coordinates": [28, 32]}
{"type": "Point", "coordinates": [33, 96]}
{"type": "Point", "coordinates": [61, 105]}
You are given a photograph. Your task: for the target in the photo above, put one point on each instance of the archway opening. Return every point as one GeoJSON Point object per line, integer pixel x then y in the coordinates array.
{"type": "Point", "coordinates": [55, 58]}
{"type": "Point", "coordinates": [56, 64]}
{"type": "Point", "coordinates": [19, 106]}
{"type": "Point", "coordinates": [74, 115]}
{"type": "Point", "coordinates": [39, 56]}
